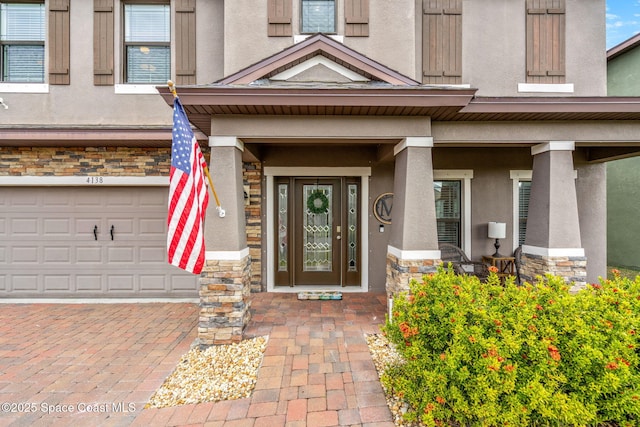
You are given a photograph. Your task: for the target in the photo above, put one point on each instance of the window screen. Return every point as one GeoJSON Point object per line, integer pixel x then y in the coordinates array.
{"type": "Point", "coordinates": [448, 207]}
{"type": "Point", "coordinates": [524, 191]}
{"type": "Point", "coordinates": [147, 35]}
{"type": "Point", "coordinates": [22, 42]}
{"type": "Point", "coordinates": [318, 16]}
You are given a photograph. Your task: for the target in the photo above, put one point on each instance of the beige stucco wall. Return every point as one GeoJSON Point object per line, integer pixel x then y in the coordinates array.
{"type": "Point", "coordinates": [81, 103]}
{"type": "Point", "coordinates": [494, 47]}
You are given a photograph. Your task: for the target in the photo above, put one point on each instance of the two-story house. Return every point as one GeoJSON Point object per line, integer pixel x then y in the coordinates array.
{"type": "Point", "coordinates": [346, 139]}
{"type": "Point", "coordinates": [623, 198]}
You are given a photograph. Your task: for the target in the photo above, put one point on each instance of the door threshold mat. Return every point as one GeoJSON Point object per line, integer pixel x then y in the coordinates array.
{"type": "Point", "coordinates": [324, 296]}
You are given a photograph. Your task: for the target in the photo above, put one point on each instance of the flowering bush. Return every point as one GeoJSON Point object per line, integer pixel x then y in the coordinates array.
{"type": "Point", "coordinates": [483, 354]}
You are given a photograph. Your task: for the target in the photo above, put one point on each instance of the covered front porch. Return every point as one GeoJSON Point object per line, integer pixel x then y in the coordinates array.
{"type": "Point", "coordinates": [349, 127]}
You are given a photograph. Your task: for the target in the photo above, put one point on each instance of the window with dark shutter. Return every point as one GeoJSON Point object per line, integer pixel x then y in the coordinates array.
{"type": "Point", "coordinates": [545, 41]}
{"type": "Point", "coordinates": [356, 15]}
{"type": "Point", "coordinates": [103, 42]}
{"type": "Point", "coordinates": [186, 42]}
{"type": "Point", "coordinates": [442, 42]}
{"type": "Point", "coordinates": [279, 18]}
{"type": "Point", "coordinates": [59, 55]}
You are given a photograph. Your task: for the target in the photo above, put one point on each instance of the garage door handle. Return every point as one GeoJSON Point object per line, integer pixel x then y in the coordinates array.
{"type": "Point", "coordinates": [95, 232]}
{"type": "Point", "coordinates": [112, 229]}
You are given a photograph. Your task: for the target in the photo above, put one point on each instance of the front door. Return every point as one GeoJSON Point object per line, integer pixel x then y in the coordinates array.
{"type": "Point", "coordinates": [318, 231]}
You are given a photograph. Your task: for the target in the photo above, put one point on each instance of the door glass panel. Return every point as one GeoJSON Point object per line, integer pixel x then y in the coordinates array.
{"type": "Point", "coordinates": [317, 233]}
{"type": "Point", "coordinates": [283, 227]}
{"type": "Point", "coordinates": [352, 227]}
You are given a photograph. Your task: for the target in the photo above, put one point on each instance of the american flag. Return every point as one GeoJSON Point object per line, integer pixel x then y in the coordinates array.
{"type": "Point", "coordinates": [188, 196]}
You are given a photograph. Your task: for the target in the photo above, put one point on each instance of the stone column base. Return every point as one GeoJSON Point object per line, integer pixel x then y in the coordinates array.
{"type": "Point", "coordinates": [572, 268]}
{"type": "Point", "coordinates": [225, 286]}
{"type": "Point", "coordinates": [400, 272]}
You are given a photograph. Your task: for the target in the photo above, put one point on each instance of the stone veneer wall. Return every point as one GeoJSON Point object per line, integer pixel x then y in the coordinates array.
{"type": "Point", "coordinates": [572, 269]}
{"type": "Point", "coordinates": [400, 272]}
{"type": "Point", "coordinates": [225, 287]}
{"type": "Point", "coordinates": [90, 161]}
{"type": "Point", "coordinates": [253, 210]}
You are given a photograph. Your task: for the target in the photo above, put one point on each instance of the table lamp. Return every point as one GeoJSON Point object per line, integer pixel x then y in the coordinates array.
{"type": "Point", "coordinates": [497, 230]}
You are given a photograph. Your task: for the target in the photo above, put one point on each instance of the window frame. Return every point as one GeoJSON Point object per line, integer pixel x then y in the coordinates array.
{"type": "Point", "coordinates": [464, 176]}
{"type": "Point", "coordinates": [125, 44]}
{"type": "Point", "coordinates": [335, 18]}
{"type": "Point", "coordinates": [41, 43]}
{"type": "Point", "coordinates": [518, 176]}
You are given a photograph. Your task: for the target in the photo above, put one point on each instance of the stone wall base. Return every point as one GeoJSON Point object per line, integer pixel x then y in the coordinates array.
{"type": "Point", "coordinates": [225, 287]}
{"type": "Point", "coordinates": [572, 269]}
{"type": "Point", "coordinates": [400, 272]}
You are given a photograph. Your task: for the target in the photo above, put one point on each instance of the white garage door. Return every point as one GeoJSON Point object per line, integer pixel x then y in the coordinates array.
{"type": "Point", "coordinates": [87, 242]}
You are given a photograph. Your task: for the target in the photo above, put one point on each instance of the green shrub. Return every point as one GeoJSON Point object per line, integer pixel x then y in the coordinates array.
{"type": "Point", "coordinates": [483, 354]}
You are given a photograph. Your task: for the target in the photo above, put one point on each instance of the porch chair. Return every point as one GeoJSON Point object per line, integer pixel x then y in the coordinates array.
{"type": "Point", "coordinates": [461, 263]}
{"type": "Point", "coordinates": [517, 255]}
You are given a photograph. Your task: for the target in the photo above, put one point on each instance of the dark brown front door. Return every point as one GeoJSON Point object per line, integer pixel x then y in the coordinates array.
{"type": "Point", "coordinates": [318, 231]}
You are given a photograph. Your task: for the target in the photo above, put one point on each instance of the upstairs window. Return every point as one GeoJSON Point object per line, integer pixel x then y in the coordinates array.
{"type": "Point", "coordinates": [545, 41]}
{"type": "Point", "coordinates": [318, 16]}
{"type": "Point", "coordinates": [147, 37]}
{"type": "Point", "coordinates": [22, 42]}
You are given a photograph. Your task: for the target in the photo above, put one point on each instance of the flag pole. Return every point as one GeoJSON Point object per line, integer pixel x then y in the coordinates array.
{"type": "Point", "coordinates": [221, 212]}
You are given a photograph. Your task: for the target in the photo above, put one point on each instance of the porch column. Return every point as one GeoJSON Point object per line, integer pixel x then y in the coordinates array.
{"type": "Point", "coordinates": [413, 244]}
{"type": "Point", "coordinates": [552, 243]}
{"type": "Point", "coordinates": [225, 282]}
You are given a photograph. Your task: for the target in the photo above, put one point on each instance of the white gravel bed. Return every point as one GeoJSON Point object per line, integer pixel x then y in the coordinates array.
{"type": "Point", "coordinates": [223, 372]}
{"type": "Point", "coordinates": [384, 354]}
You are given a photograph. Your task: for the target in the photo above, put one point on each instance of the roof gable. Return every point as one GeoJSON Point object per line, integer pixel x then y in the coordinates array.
{"type": "Point", "coordinates": [321, 57]}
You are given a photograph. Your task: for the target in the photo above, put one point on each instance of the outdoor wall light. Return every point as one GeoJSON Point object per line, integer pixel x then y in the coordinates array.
{"type": "Point", "coordinates": [497, 230]}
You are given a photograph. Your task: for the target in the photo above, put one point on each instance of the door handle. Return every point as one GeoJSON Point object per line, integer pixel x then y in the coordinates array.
{"type": "Point", "coordinates": [338, 237]}
{"type": "Point", "coordinates": [112, 230]}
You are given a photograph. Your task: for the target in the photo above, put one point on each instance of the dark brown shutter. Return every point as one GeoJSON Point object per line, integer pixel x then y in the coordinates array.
{"type": "Point", "coordinates": [59, 54]}
{"type": "Point", "coordinates": [356, 15]}
{"type": "Point", "coordinates": [279, 18]}
{"type": "Point", "coordinates": [442, 41]}
{"type": "Point", "coordinates": [186, 42]}
{"type": "Point", "coordinates": [103, 42]}
{"type": "Point", "coordinates": [545, 41]}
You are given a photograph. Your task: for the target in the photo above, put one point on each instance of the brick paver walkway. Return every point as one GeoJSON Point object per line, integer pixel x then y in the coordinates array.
{"type": "Point", "coordinates": [100, 359]}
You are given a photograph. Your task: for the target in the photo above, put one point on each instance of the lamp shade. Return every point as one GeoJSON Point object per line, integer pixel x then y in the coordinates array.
{"type": "Point", "coordinates": [497, 230]}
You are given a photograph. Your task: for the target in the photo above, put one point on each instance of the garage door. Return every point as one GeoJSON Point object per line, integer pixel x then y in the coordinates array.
{"type": "Point", "coordinates": [87, 242]}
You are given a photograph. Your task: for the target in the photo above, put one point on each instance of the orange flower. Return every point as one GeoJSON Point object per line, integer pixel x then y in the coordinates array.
{"type": "Point", "coordinates": [509, 368]}
{"type": "Point", "coordinates": [554, 353]}
{"type": "Point", "coordinates": [612, 366]}
{"type": "Point", "coordinates": [493, 269]}
{"type": "Point", "coordinates": [430, 407]}
{"type": "Point", "coordinates": [443, 356]}
{"type": "Point", "coordinates": [440, 400]}
{"type": "Point", "coordinates": [472, 339]}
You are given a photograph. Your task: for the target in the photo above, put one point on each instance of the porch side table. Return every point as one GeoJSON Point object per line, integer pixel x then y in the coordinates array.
{"type": "Point", "coordinates": [506, 265]}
